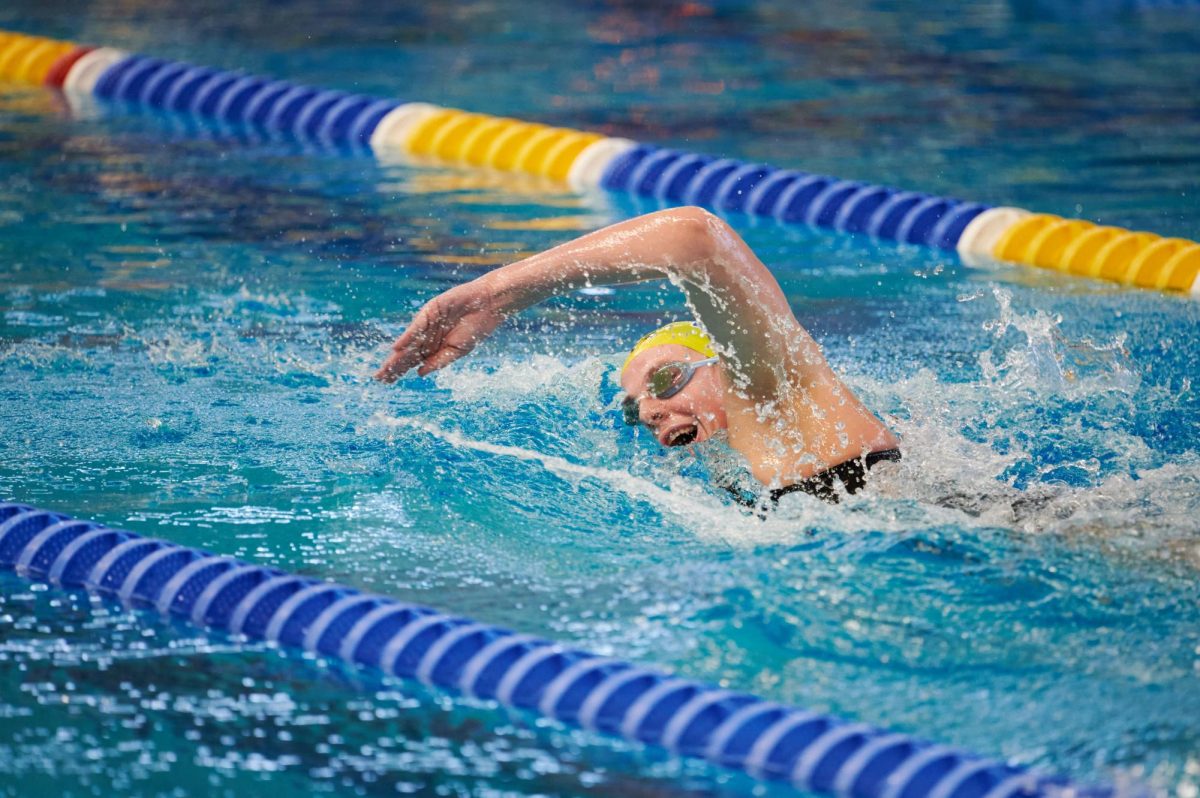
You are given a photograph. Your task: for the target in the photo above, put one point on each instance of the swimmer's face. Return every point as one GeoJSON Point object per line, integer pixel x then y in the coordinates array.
{"type": "Point", "coordinates": [691, 415]}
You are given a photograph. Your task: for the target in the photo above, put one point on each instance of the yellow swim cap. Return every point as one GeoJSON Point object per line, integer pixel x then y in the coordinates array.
{"type": "Point", "coordinates": [682, 333]}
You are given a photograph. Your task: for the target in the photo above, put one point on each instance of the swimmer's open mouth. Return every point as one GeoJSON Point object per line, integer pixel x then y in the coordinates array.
{"type": "Point", "coordinates": [682, 436]}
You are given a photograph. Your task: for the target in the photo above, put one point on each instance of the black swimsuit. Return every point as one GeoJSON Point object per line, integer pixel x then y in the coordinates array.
{"type": "Point", "coordinates": [851, 475]}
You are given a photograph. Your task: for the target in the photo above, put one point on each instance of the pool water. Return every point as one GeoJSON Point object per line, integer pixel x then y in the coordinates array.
{"type": "Point", "coordinates": [189, 319]}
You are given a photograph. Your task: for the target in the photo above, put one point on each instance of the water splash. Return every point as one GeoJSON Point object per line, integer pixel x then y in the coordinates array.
{"type": "Point", "coordinates": [1047, 362]}
{"type": "Point", "coordinates": [1040, 441]}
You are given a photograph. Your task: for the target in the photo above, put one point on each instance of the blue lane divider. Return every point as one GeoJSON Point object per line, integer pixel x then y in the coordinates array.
{"type": "Point", "coordinates": [737, 730]}
{"type": "Point", "coordinates": [790, 196]}
{"type": "Point", "coordinates": [332, 118]}
{"type": "Point", "coordinates": [328, 118]}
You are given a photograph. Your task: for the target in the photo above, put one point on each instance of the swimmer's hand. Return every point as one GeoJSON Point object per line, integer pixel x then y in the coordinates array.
{"type": "Point", "coordinates": [449, 326]}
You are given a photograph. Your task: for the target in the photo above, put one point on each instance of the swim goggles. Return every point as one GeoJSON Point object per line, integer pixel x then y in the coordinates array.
{"type": "Point", "coordinates": [665, 381]}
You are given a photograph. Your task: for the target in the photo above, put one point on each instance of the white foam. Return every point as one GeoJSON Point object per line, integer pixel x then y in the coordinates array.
{"type": "Point", "coordinates": [680, 502]}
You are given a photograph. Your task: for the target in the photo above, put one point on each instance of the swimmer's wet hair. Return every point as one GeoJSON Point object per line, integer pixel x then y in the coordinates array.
{"type": "Point", "coordinates": [680, 333]}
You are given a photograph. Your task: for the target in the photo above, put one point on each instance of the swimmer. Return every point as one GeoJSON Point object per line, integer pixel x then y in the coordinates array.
{"type": "Point", "coordinates": [747, 369]}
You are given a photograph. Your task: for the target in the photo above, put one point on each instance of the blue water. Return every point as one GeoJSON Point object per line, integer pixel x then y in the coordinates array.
{"type": "Point", "coordinates": [188, 322]}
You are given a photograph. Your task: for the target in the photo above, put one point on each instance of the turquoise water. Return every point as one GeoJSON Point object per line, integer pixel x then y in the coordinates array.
{"type": "Point", "coordinates": [188, 322]}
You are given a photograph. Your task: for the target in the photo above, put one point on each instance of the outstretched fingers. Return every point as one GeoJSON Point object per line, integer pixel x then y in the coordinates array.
{"type": "Point", "coordinates": [446, 328]}
{"type": "Point", "coordinates": [409, 350]}
{"type": "Point", "coordinates": [397, 364]}
{"type": "Point", "coordinates": [409, 354]}
{"type": "Point", "coordinates": [446, 355]}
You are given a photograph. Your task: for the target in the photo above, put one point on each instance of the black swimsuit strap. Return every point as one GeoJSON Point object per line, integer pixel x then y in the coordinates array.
{"type": "Point", "coordinates": [852, 475]}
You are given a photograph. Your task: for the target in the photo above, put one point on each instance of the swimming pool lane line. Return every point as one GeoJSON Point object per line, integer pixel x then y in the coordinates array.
{"type": "Point", "coordinates": [809, 750]}
{"type": "Point", "coordinates": [588, 161]}
{"type": "Point", "coordinates": [28, 59]}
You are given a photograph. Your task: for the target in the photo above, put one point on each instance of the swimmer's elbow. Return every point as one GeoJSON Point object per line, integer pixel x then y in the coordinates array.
{"type": "Point", "coordinates": [695, 245]}
{"type": "Point", "coordinates": [699, 237]}
{"type": "Point", "coordinates": [695, 217]}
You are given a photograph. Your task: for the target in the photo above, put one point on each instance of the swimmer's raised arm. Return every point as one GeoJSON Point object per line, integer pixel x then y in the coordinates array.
{"type": "Point", "coordinates": [731, 292]}
{"type": "Point", "coordinates": [773, 395]}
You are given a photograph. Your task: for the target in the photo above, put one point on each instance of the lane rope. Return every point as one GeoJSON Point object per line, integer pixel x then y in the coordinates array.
{"type": "Point", "coordinates": [589, 161]}
{"type": "Point", "coordinates": [810, 750]}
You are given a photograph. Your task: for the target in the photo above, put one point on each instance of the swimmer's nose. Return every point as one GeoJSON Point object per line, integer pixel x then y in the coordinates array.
{"type": "Point", "coordinates": [652, 412]}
